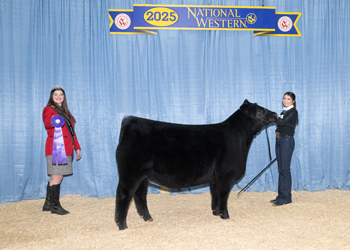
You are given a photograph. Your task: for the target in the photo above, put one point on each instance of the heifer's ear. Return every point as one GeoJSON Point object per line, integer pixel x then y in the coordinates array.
{"type": "Point", "coordinates": [245, 105]}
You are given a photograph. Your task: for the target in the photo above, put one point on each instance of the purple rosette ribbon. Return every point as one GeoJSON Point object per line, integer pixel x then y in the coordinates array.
{"type": "Point", "coordinates": [58, 149]}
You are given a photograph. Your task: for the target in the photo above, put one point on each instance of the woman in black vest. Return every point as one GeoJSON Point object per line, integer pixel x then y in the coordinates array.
{"type": "Point", "coordinates": [286, 124]}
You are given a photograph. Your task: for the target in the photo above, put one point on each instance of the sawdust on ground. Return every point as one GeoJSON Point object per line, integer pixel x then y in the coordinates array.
{"type": "Point", "coordinates": [315, 220]}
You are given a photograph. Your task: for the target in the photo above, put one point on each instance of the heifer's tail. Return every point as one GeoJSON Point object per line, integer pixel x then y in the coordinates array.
{"type": "Point", "coordinates": [124, 123]}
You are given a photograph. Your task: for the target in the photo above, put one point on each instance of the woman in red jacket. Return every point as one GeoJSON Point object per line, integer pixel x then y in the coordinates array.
{"type": "Point", "coordinates": [57, 168]}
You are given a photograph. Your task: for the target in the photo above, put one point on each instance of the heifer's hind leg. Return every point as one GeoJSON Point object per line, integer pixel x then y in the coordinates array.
{"type": "Point", "coordinates": [122, 202]}
{"type": "Point", "coordinates": [140, 198]}
{"type": "Point", "coordinates": [214, 199]}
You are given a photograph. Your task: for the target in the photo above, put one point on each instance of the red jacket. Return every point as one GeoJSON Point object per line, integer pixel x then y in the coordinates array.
{"type": "Point", "coordinates": [47, 115]}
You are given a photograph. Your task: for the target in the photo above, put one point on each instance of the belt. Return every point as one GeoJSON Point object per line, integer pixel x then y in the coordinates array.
{"type": "Point", "coordinates": [279, 135]}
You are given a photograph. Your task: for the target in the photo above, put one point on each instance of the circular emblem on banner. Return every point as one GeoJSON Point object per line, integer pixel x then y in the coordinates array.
{"type": "Point", "coordinates": [122, 21]}
{"type": "Point", "coordinates": [285, 24]}
{"type": "Point", "coordinates": [251, 18]}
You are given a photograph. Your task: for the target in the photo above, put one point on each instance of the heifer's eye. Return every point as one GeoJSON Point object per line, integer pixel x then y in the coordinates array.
{"type": "Point", "coordinates": [252, 111]}
{"type": "Point", "coordinates": [261, 114]}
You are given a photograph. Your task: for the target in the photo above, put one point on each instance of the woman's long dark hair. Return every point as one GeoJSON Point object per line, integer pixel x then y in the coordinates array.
{"type": "Point", "coordinates": [292, 95]}
{"type": "Point", "coordinates": [65, 111]}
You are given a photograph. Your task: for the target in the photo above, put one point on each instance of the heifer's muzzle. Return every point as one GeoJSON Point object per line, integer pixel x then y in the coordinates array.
{"type": "Point", "coordinates": [270, 117]}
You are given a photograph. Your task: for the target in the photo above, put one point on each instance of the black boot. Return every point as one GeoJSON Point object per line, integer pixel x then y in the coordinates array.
{"type": "Point", "coordinates": [55, 196]}
{"type": "Point", "coordinates": [48, 201]}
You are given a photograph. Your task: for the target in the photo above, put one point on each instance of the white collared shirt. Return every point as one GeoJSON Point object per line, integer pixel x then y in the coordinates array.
{"type": "Point", "coordinates": [286, 109]}
{"type": "Point", "coordinates": [289, 107]}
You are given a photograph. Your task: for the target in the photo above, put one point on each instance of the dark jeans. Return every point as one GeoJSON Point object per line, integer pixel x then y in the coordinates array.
{"type": "Point", "coordinates": [284, 151]}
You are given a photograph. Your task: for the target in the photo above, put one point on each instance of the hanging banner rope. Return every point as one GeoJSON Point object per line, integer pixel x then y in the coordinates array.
{"type": "Point", "coordinates": [58, 149]}
{"type": "Point", "coordinates": [146, 18]}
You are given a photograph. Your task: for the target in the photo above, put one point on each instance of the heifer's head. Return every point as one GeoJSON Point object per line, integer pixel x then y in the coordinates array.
{"type": "Point", "coordinates": [258, 116]}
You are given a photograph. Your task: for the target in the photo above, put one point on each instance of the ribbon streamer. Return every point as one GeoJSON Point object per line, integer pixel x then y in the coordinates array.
{"type": "Point", "coordinates": [58, 149]}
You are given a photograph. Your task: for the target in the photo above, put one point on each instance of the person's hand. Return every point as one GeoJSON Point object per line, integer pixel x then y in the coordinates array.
{"type": "Point", "coordinates": [78, 154]}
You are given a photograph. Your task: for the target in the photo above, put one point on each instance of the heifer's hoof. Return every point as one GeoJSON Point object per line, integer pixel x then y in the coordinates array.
{"type": "Point", "coordinates": [225, 216]}
{"type": "Point", "coordinates": [122, 227]}
{"type": "Point", "coordinates": [149, 220]}
{"type": "Point", "coordinates": [215, 212]}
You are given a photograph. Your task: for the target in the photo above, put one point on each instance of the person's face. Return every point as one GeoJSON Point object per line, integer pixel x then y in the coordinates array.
{"type": "Point", "coordinates": [58, 97]}
{"type": "Point", "coordinates": [287, 100]}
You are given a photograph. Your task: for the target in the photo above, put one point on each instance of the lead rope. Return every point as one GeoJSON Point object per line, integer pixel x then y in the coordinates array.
{"type": "Point", "coordinates": [268, 143]}
{"type": "Point", "coordinates": [256, 177]}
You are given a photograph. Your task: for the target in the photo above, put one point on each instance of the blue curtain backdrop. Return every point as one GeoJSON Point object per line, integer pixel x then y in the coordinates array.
{"type": "Point", "coordinates": [189, 77]}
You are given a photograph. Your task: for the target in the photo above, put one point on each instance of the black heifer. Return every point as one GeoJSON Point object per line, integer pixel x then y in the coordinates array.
{"type": "Point", "coordinates": [177, 156]}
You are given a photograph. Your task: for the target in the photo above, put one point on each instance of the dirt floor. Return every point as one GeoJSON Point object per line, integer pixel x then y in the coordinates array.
{"type": "Point", "coordinates": [315, 220]}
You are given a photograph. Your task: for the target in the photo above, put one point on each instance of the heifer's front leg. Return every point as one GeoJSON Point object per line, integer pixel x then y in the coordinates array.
{"type": "Point", "coordinates": [223, 192]}
{"type": "Point", "coordinates": [122, 201]}
{"type": "Point", "coordinates": [140, 198]}
{"type": "Point", "coordinates": [223, 205]}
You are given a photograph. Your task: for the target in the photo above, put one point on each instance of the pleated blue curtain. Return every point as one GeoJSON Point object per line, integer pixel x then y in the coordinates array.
{"type": "Point", "coordinates": [189, 77]}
